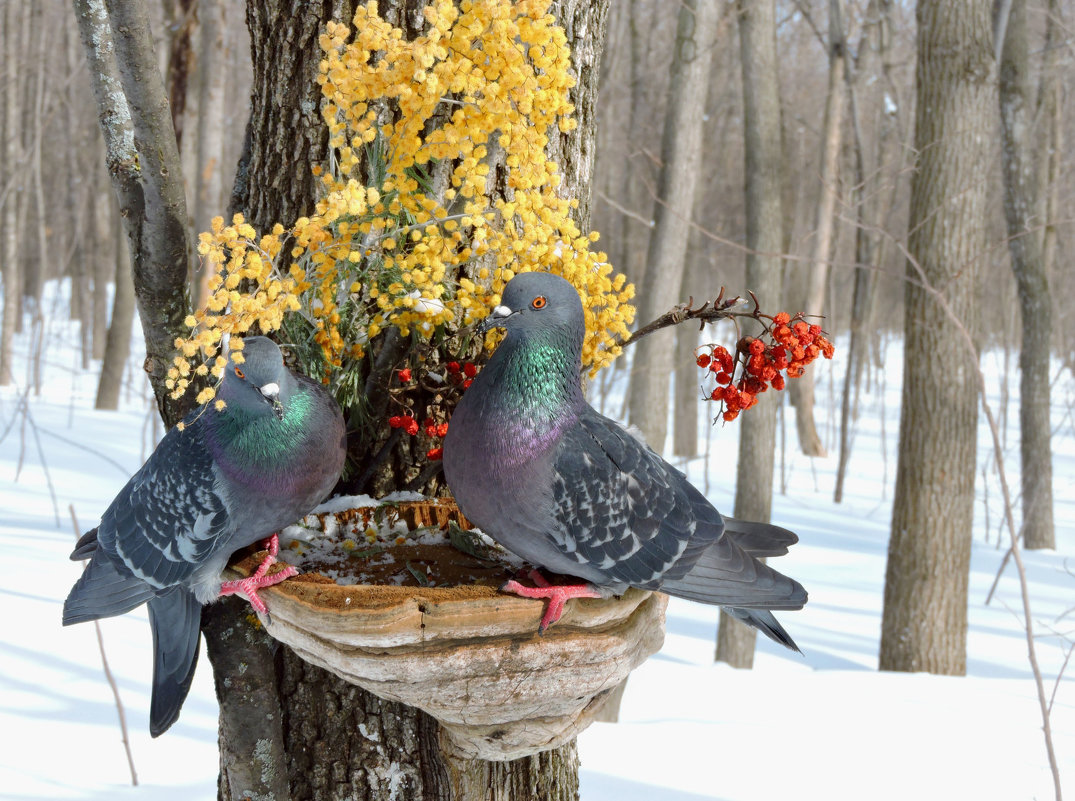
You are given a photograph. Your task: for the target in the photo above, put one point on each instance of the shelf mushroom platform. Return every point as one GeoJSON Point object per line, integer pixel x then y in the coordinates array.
{"type": "Point", "coordinates": [467, 654]}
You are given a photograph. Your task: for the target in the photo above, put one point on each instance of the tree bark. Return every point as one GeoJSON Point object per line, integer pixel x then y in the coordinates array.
{"type": "Point", "coordinates": [681, 159]}
{"type": "Point", "coordinates": [765, 239]}
{"type": "Point", "coordinates": [209, 179]}
{"type": "Point", "coordinates": [118, 343]}
{"type": "Point", "coordinates": [1035, 302]}
{"type": "Point", "coordinates": [924, 623]}
{"type": "Point", "coordinates": [801, 391]}
{"type": "Point", "coordinates": [687, 393]}
{"type": "Point", "coordinates": [9, 259]}
{"type": "Point", "coordinates": [1050, 145]}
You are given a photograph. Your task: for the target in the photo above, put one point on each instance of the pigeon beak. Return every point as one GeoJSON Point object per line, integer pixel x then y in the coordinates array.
{"type": "Point", "coordinates": [271, 391]}
{"type": "Point", "coordinates": [496, 319]}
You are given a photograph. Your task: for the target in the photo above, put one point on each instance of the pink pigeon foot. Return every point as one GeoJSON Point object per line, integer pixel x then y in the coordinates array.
{"type": "Point", "coordinates": [556, 595]}
{"type": "Point", "coordinates": [250, 586]}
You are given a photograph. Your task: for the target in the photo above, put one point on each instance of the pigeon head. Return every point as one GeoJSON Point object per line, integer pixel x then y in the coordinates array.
{"type": "Point", "coordinates": [261, 377]}
{"type": "Point", "coordinates": [538, 302]}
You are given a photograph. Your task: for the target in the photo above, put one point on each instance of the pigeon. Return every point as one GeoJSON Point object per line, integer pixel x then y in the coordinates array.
{"type": "Point", "coordinates": [565, 488]}
{"type": "Point", "coordinates": [224, 480]}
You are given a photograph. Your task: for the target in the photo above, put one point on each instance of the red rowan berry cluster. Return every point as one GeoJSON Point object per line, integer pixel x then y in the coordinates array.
{"type": "Point", "coordinates": [784, 349]}
{"type": "Point", "coordinates": [457, 375]}
{"type": "Point", "coordinates": [432, 429]}
{"type": "Point", "coordinates": [461, 374]}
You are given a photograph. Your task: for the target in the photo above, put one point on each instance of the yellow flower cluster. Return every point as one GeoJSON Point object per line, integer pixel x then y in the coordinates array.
{"type": "Point", "coordinates": [438, 191]}
{"type": "Point", "coordinates": [245, 289]}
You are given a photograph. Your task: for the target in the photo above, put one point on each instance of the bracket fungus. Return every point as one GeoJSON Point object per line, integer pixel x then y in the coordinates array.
{"type": "Point", "coordinates": [450, 643]}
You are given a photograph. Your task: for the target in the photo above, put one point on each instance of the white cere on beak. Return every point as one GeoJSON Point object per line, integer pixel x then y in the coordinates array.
{"type": "Point", "coordinates": [502, 311]}
{"type": "Point", "coordinates": [270, 390]}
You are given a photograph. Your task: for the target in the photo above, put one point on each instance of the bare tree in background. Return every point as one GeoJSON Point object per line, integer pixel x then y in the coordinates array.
{"type": "Point", "coordinates": [870, 91]}
{"type": "Point", "coordinates": [681, 161]}
{"type": "Point", "coordinates": [924, 623]}
{"type": "Point", "coordinates": [801, 391]}
{"type": "Point", "coordinates": [209, 179]}
{"type": "Point", "coordinates": [118, 343]}
{"type": "Point", "coordinates": [1035, 303]}
{"type": "Point", "coordinates": [765, 241]}
{"type": "Point", "coordinates": [9, 258]}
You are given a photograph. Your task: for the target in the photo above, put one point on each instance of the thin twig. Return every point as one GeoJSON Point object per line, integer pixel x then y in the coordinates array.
{"type": "Point", "coordinates": [44, 464]}
{"type": "Point", "coordinates": [108, 675]}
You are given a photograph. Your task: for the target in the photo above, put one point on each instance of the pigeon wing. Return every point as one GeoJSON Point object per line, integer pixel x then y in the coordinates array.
{"type": "Point", "coordinates": [622, 509]}
{"type": "Point", "coordinates": [171, 517]}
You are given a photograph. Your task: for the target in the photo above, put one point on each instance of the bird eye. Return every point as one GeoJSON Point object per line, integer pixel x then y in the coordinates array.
{"type": "Point", "coordinates": [538, 302]}
{"type": "Point", "coordinates": [240, 373]}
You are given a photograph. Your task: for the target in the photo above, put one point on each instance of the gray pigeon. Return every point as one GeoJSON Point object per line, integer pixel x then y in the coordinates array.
{"type": "Point", "coordinates": [229, 479]}
{"type": "Point", "coordinates": [532, 464]}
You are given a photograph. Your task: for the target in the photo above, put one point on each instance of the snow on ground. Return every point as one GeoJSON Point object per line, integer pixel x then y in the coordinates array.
{"type": "Point", "coordinates": [826, 725]}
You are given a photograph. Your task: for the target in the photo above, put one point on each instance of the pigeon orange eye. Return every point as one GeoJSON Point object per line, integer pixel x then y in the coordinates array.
{"type": "Point", "coordinates": [538, 302]}
{"type": "Point", "coordinates": [240, 373]}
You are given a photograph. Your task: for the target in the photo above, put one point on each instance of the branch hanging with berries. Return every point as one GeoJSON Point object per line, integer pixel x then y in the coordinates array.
{"type": "Point", "coordinates": [786, 346]}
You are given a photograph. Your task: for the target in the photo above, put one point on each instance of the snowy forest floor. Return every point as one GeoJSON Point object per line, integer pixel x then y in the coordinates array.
{"type": "Point", "coordinates": [826, 725]}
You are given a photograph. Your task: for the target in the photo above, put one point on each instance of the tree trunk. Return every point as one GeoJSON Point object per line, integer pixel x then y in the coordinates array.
{"type": "Point", "coordinates": [687, 393]}
{"type": "Point", "coordinates": [924, 624]}
{"type": "Point", "coordinates": [681, 160]}
{"type": "Point", "coordinates": [9, 259]}
{"type": "Point", "coordinates": [104, 225]}
{"type": "Point", "coordinates": [869, 213]}
{"type": "Point", "coordinates": [209, 179]}
{"type": "Point", "coordinates": [1051, 137]}
{"type": "Point", "coordinates": [118, 344]}
{"type": "Point", "coordinates": [1035, 302]}
{"type": "Point", "coordinates": [765, 239]}
{"type": "Point", "coordinates": [801, 391]}
{"type": "Point", "coordinates": [289, 729]}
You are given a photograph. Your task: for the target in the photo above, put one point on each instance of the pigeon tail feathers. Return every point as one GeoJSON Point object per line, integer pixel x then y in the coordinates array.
{"type": "Point", "coordinates": [85, 546]}
{"type": "Point", "coordinates": [104, 591]}
{"type": "Point", "coordinates": [175, 618]}
{"type": "Point", "coordinates": [765, 622]}
{"type": "Point", "coordinates": [727, 575]}
{"type": "Point", "coordinates": [759, 539]}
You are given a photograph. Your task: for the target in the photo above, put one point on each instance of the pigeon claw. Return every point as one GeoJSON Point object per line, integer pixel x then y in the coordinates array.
{"type": "Point", "coordinates": [557, 596]}
{"type": "Point", "coordinates": [249, 586]}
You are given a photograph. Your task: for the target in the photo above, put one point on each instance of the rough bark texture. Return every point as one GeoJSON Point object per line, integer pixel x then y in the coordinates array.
{"type": "Point", "coordinates": [924, 624]}
{"type": "Point", "coordinates": [765, 238]}
{"type": "Point", "coordinates": [1035, 303]}
{"type": "Point", "coordinates": [332, 740]}
{"type": "Point", "coordinates": [681, 159]}
{"type": "Point", "coordinates": [801, 391]}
